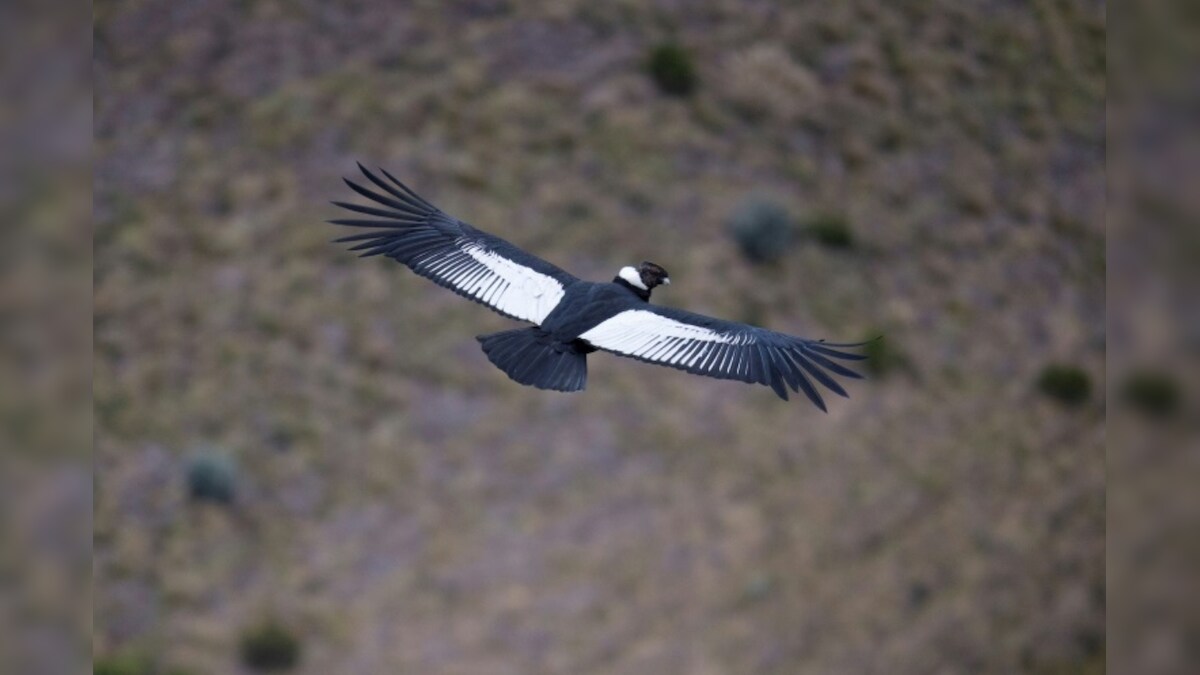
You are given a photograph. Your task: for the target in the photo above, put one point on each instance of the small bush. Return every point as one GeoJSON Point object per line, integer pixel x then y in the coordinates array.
{"type": "Point", "coordinates": [211, 476]}
{"type": "Point", "coordinates": [672, 69]}
{"type": "Point", "coordinates": [881, 357]}
{"type": "Point", "coordinates": [270, 646]}
{"type": "Point", "coordinates": [1068, 384]}
{"type": "Point", "coordinates": [830, 229]}
{"type": "Point", "coordinates": [126, 663]}
{"type": "Point", "coordinates": [758, 587]}
{"type": "Point", "coordinates": [918, 594]}
{"type": "Point", "coordinates": [1152, 393]}
{"type": "Point", "coordinates": [762, 229]}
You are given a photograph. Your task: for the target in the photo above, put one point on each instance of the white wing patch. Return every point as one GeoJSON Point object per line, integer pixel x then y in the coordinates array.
{"type": "Point", "coordinates": [499, 282]}
{"type": "Point", "coordinates": [637, 332]}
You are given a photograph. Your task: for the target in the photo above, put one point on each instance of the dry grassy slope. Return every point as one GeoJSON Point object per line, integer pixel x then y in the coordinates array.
{"type": "Point", "coordinates": [408, 509]}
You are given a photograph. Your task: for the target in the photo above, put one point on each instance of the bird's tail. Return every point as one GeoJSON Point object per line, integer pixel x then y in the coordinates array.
{"type": "Point", "coordinates": [532, 357]}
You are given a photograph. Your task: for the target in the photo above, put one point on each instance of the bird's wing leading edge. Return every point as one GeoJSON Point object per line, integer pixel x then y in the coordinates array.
{"type": "Point", "coordinates": [451, 253]}
{"type": "Point", "coordinates": [726, 350]}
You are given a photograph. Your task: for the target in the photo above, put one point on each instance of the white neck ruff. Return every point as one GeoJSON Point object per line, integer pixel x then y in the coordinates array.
{"type": "Point", "coordinates": [631, 275]}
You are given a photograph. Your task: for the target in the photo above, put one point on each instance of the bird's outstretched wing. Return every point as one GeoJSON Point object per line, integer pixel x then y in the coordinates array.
{"type": "Point", "coordinates": [724, 349]}
{"type": "Point", "coordinates": [451, 253]}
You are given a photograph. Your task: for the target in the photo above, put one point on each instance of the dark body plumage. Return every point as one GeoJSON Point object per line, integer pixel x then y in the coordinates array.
{"type": "Point", "coordinates": [573, 317]}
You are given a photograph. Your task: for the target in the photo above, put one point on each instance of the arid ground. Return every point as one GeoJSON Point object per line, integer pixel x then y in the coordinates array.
{"type": "Point", "coordinates": [402, 507]}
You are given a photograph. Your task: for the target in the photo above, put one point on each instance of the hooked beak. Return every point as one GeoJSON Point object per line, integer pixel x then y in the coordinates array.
{"type": "Point", "coordinates": [667, 281]}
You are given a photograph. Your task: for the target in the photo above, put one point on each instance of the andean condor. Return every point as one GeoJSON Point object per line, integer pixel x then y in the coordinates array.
{"type": "Point", "coordinates": [573, 317]}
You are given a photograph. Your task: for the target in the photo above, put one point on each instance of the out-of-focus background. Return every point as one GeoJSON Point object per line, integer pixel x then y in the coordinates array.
{"type": "Point", "coordinates": [1153, 535]}
{"type": "Point", "coordinates": [45, 364]}
{"type": "Point", "coordinates": [303, 461]}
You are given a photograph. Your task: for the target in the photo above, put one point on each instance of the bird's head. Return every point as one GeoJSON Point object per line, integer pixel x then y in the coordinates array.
{"type": "Point", "coordinates": [645, 276]}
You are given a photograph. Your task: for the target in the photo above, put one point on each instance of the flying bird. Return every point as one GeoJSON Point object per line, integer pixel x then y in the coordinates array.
{"type": "Point", "coordinates": [572, 317]}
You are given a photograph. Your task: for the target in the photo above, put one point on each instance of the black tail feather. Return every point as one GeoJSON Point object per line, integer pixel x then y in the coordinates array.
{"type": "Point", "coordinates": [531, 357]}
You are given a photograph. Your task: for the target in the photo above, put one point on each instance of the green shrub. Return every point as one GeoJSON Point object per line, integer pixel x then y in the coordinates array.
{"type": "Point", "coordinates": [830, 229]}
{"type": "Point", "coordinates": [762, 229]}
{"type": "Point", "coordinates": [881, 357]}
{"type": "Point", "coordinates": [918, 594]}
{"type": "Point", "coordinates": [124, 663]}
{"type": "Point", "coordinates": [1151, 392]}
{"type": "Point", "coordinates": [211, 476]}
{"type": "Point", "coordinates": [1068, 384]}
{"type": "Point", "coordinates": [270, 646]}
{"type": "Point", "coordinates": [671, 67]}
{"type": "Point", "coordinates": [758, 587]}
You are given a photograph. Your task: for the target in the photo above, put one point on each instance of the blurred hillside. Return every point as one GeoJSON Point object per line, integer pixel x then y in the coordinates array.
{"type": "Point", "coordinates": [398, 505]}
